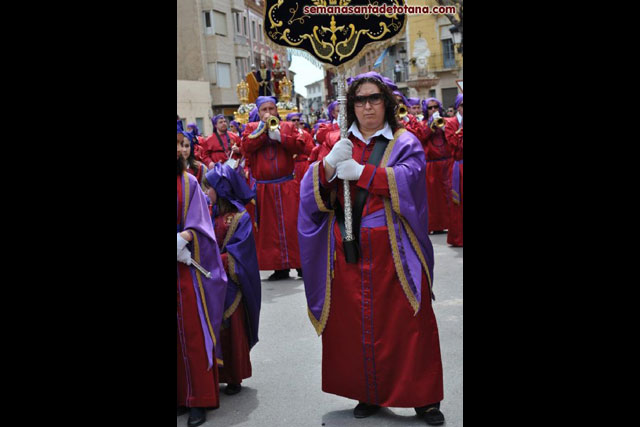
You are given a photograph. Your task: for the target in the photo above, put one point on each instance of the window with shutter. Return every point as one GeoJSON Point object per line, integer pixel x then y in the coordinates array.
{"type": "Point", "coordinates": [224, 74]}
{"type": "Point", "coordinates": [220, 22]}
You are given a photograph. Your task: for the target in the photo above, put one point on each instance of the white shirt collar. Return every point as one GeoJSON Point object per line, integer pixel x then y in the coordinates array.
{"type": "Point", "coordinates": [459, 117]}
{"type": "Point", "coordinates": [385, 131]}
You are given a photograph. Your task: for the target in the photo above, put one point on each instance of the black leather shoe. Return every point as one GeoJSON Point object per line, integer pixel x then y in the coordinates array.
{"type": "Point", "coordinates": [182, 410]}
{"type": "Point", "coordinates": [279, 275]}
{"type": "Point", "coordinates": [431, 415]}
{"type": "Point", "coordinates": [232, 389]}
{"type": "Point", "coordinates": [364, 410]}
{"type": "Point", "coordinates": [197, 416]}
{"type": "Point", "coordinates": [299, 270]}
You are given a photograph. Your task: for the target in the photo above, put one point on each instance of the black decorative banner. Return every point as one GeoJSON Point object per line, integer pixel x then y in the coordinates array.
{"type": "Point", "coordinates": [333, 31]}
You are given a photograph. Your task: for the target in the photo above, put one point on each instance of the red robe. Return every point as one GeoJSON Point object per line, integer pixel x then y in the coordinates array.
{"type": "Point", "coordinates": [439, 166]}
{"type": "Point", "coordinates": [197, 386]}
{"type": "Point", "coordinates": [199, 174]}
{"type": "Point", "coordinates": [324, 130]}
{"type": "Point", "coordinates": [302, 160]}
{"type": "Point", "coordinates": [454, 236]}
{"type": "Point", "coordinates": [233, 335]}
{"type": "Point", "coordinates": [364, 286]}
{"type": "Point", "coordinates": [277, 202]}
{"type": "Point", "coordinates": [214, 151]}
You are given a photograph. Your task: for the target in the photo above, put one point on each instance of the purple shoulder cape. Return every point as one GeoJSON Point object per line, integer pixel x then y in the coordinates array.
{"type": "Point", "coordinates": [210, 293]}
{"type": "Point", "coordinates": [243, 273]}
{"type": "Point", "coordinates": [405, 217]}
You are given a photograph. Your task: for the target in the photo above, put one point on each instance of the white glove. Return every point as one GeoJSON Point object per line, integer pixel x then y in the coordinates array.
{"type": "Point", "coordinates": [406, 118]}
{"type": "Point", "coordinates": [341, 151]}
{"type": "Point", "coordinates": [185, 256]}
{"type": "Point", "coordinates": [181, 243]}
{"type": "Point", "coordinates": [275, 134]}
{"type": "Point", "coordinates": [349, 170]}
{"type": "Point", "coordinates": [436, 115]}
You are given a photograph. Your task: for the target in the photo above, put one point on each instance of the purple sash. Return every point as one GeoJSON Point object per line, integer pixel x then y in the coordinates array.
{"type": "Point", "coordinates": [276, 181]}
{"type": "Point", "coordinates": [455, 182]}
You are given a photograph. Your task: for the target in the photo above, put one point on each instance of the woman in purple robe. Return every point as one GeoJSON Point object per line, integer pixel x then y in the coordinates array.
{"type": "Point", "coordinates": [380, 342]}
{"type": "Point", "coordinates": [200, 298]}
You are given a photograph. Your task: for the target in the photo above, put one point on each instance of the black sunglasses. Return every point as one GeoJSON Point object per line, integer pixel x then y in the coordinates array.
{"type": "Point", "coordinates": [433, 107]}
{"type": "Point", "coordinates": [373, 99]}
{"type": "Point", "coordinates": [295, 120]}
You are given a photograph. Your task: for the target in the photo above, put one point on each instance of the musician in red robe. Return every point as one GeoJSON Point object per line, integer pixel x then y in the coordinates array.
{"type": "Point", "coordinates": [439, 163]}
{"type": "Point", "coordinates": [453, 132]}
{"type": "Point", "coordinates": [270, 154]}
{"type": "Point", "coordinates": [221, 145]}
{"type": "Point", "coordinates": [301, 160]}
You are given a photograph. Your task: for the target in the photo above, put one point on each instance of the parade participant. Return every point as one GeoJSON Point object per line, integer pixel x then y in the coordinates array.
{"type": "Point", "coordinates": [270, 154]}
{"type": "Point", "coordinates": [301, 160]}
{"type": "Point", "coordinates": [236, 127]}
{"type": "Point", "coordinates": [450, 111]}
{"type": "Point", "coordinates": [221, 145]}
{"type": "Point", "coordinates": [192, 128]}
{"type": "Point", "coordinates": [200, 299]}
{"type": "Point", "coordinates": [453, 133]}
{"type": "Point", "coordinates": [331, 125]}
{"type": "Point", "coordinates": [439, 164]}
{"type": "Point", "coordinates": [229, 194]}
{"type": "Point", "coordinates": [380, 342]}
{"type": "Point", "coordinates": [196, 140]}
{"type": "Point", "coordinates": [194, 167]}
{"type": "Point", "coordinates": [415, 107]}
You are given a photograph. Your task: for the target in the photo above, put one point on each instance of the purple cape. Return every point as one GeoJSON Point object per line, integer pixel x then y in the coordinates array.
{"type": "Point", "coordinates": [241, 248]}
{"type": "Point", "coordinates": [204, 250]}
{"type": "Point", "coordinates": [244, 273]}
{"type": "Point", "coordinates": [405, 215]}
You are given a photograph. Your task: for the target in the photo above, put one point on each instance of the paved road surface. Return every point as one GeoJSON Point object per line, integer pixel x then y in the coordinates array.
{"type": "Point", "coordinates": [285, 389]}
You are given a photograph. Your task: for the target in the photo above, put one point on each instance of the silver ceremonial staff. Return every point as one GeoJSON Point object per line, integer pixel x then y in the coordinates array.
{"type": "Point", "coordinates": [349, 243]}
{"type": "Point", "coordinates": [202, 270]}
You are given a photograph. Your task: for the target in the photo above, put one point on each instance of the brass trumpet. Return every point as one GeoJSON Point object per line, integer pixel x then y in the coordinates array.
{"type": "Point", "coordinates": [439, 122]}
{"type": "Point", "coordinates": [402, 111]}
{"type": "Point", "coordinates": [273, 122]}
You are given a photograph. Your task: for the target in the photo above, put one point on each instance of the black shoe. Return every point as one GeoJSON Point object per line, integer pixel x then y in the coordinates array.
{"type": "Point", "coordinates": [299, 270]}
{"type": "Point", "coordinates": [431, 415]}
{"type": "Point", "coordinates": [279, 275]}
{"type": "Point", "coordinates": [197, 416]}
{"type": "Point", "coordinates": [232, 389]}
{"type": "Point", "coordinates": [364, 410]}
{"type": "Point", "coordinates": [182, 410]}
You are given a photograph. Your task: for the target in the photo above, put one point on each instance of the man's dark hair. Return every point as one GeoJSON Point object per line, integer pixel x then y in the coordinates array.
{"type": "Point", "coordinates": [390, 103]}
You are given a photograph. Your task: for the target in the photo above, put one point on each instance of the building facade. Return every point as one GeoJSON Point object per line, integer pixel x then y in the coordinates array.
{"type": "Point", "coordinates": [429, 37]}
{"type": "Point", "coordinates": [218, 41]}
{"type": "Point", "coordinates": [315, 100]}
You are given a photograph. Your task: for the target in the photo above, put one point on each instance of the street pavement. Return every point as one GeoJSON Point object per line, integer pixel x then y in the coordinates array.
{"type": "Point", "coordinates": [285, 389]}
